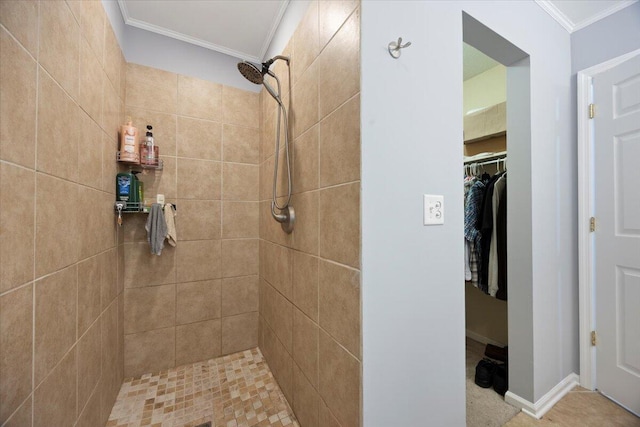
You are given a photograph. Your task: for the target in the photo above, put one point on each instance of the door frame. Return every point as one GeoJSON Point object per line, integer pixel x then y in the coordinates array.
{"type": "Point", "coordinates": [586, 210]}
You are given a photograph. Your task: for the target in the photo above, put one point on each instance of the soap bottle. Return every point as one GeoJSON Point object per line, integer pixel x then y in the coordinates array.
{"type": "Point", "coordinates": [129, 149]}
{"type": "Point", "coordinates": [150, 150]}
{"type": "Point", "coordinates": [125, 185]}
{"type": "Point", "coordinates": [138, 190]}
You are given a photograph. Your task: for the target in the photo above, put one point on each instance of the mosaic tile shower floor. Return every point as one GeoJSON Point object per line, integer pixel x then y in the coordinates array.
{"type": "Point", "coordinates": [237, 390]}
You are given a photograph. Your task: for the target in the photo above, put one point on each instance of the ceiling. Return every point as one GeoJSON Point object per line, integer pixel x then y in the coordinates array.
{"type": "Point", "coordinates": [475, 62]}
{"type": "Point", "coordinates": [244, 29]}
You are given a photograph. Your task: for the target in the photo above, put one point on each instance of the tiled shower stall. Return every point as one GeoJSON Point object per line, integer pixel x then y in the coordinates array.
{"type": "Point", "coordinates": [84, 305]}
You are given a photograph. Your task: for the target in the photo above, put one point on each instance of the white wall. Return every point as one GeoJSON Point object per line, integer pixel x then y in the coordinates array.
{"type": "Point", "coordinates": [166, 53]}
{"type": "Point", "coordinates": [413, 294]}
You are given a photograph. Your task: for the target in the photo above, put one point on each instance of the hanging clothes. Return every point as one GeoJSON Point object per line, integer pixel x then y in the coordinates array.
{"type": "Point", "coordinates": [471, 234]}
{"type": "Point", "coordinates": [501, 236]}
{"type": "Point", "coordinates": [492, 268]}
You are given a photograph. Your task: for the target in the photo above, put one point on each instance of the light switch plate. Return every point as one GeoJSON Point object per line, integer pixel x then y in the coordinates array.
{"type": "Point", "coordinates": [433, 209]}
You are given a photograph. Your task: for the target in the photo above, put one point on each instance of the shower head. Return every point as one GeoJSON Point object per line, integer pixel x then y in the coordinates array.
{"type": "Point", "coordinates": [251, 72]}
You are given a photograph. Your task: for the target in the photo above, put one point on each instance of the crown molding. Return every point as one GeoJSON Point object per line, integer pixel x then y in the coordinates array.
{"type": "Point", "coordinates": [566, 23]}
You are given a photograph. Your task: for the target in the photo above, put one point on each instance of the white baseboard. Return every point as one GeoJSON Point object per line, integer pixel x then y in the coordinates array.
{"type": "Point", "coordinates": [546, 402]}
{"type": "Point", "coordinates": [482, 339]}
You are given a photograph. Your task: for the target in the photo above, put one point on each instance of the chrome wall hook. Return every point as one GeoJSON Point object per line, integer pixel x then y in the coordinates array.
{"type": "Point", "coordinates": [394, 47]}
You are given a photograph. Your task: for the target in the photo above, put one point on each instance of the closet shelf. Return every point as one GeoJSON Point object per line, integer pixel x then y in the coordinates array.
{"type": "Point", "coordinates": [482, 157]}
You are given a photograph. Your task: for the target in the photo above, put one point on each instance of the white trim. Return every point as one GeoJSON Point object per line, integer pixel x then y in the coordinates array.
{"type": "Point", "coordinates": [615, 7]}
{"type": "Point", "coordinates": [482, 339]}
{"type": "Point", "coordinates": [546, 402]}
{"type": "Point", "coordinates": [586, 302]}
{"type": "Point", "coordinates": [274, 28]}
{"type": "Point", "coordinates": [566, 22]}
{"type": "Point", "coordinates": [555, 13]}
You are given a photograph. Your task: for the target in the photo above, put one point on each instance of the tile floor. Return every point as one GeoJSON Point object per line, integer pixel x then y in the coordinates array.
{"type": "Point", "coordinates": [237, 390]}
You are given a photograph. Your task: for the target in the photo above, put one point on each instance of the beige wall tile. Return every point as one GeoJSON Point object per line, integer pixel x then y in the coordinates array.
{"type": "Point", "coordinates": [239, 332]}
{"type": "Point", "coordinates": [306, 161]}
{"type": "Point", "coordinates": [339, 66]}
{"type": "Point", "coordinates": [108, 277]}
{"type": "Point", "coordinates": [89, 289]}
{"type": "Point", "coordinates": [54, 402]}
{"type": "Point", "coordinates": [276, 268]}
{"type": "Point", "coordinates": [161, 181]}
{"type": "Point", "coordinates": [113, 68]}
{"type": "Point", "coordinates": [112, 110]}
{"type": "Point", "coordinates": [149, 351]}
{"type": "Point", "coordinates": [339, 298]}
{"type": "Point", "coordinates": [111, 380]}
{"type": "Point", "coordinates": [268, 130]}
{"type": "Point", "coordinates": [240, 144]}
{"type": "Point", "coordinates": [305, 346]}
{"type": "Point", "coordinates": [332, 15]}
{"type": "Point", "coordinates": [164, 128]}
{"type": "Point", "coordinates": [90, 152]}
{"type": "Point", "coordinates": [57, 141]}
{"type": "Point", "coordinates": [240, 257]}
{"type": "Point", "coordinates": [89, 363]}
{"type": "Point", "coordinates": [90, 415]}
{"type": "Point", "coordinates": [92, 24]}
{"type": "Point", "coordinates": [197, 301]}
{"type": "Point", "coordinates": [239, 295]}
{"type": "Point", "coordinates": [340, 224]}
{"type": "Point", "coordinates": [240, 219]}
{"type": "Point", "coordinates": [305, 234]}
{"type": "Point", "coordinates": [91, 82]}
{"type": "Point", "coordinates": [149, 308]}
{"type": "Point", "coordinates": [141, 268]}
{"type": "Point", "coordinates": [199, 98]}
{"type": "Point", "coordinates": [240, 182]}
{"type": "Point", "coordinates": [340, 145]}
{"type": "Point", "coordinates": [305, 42]}
{"type": "Point", "coordinates": [16, 346]}
{"type": "Point", "coordinates": [240, 107]}
{"type": "Point", "coordinates": [199, 179]}
{"type": "Point", "coordinates": [339, 381]}
{"type": "Point", "coordinates": [151, 89]}
{"type": "Point", "coordinates": [306, 400]}
{"type": "Point", "coordinates": [280, 362]}
{"type": "Point", "coordinates": [23, 416]}
{"type": "Point", "coordinates": [199, 260]}
{"type": "Point", "coordinates": [55, 317]}
{"type": "Point", "coordinates": [109, 166]}
{"type": "Point", "coordinates": [282, 70]}
{"type": "Point", "coordinates": [305, 284]}
{"type": "Point", "coordinates": [95, 222]}
{"type": "Point", "coordinates": [305, 100]}
{"type": "Point", "coordinates": [20, 17]}
{"type": "Point", "coordinates": [59, 45]}
{"type": "Point", "coordinates": [198, 220]}
{"type": "Point", "coordinates": [200, 139]}
{"type": "Point", "coordinates": [133, 228]}
{"type": "Point", "coordinates": [198, 341]}
{"type": "Point", "coordinates": [278, 312]}
{"type": "Point", "coordinates": [18, 85]}
{"type": "Point", "coordinates": [18, 226]}
{"type": "Point", "coordinates": [325, 416]}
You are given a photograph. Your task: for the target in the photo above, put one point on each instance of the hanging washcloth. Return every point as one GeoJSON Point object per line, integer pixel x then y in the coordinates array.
{"type": "Point", "coordinates": [169, 215]}
{"type": "Point", "coordinates": [156, 229]}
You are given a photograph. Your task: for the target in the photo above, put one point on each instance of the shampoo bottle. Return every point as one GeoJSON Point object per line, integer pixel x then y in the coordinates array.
{"type": "Point", "coordinates": [129, 150]}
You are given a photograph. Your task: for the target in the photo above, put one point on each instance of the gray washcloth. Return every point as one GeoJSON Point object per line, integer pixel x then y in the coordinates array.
{"type": "Point", "coordinates": [156, 229]}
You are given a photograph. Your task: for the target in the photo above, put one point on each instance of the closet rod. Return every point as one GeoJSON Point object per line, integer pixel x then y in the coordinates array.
{"type": "Point", "coordinates": [488, 162]}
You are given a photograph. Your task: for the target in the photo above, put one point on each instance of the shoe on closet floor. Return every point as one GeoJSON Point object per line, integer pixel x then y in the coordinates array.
{"type": "Point", "coordinates": [484, 373]}
{"type": "Point", "coordinates": [500, 382]}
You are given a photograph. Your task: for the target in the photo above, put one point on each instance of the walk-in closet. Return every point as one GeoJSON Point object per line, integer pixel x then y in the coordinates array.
{"type": "Point", "coordinates": [485, 238]}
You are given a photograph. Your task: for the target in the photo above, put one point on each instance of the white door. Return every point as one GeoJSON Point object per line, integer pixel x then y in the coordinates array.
{"type": "Point", "coordinates": [616, 167]}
